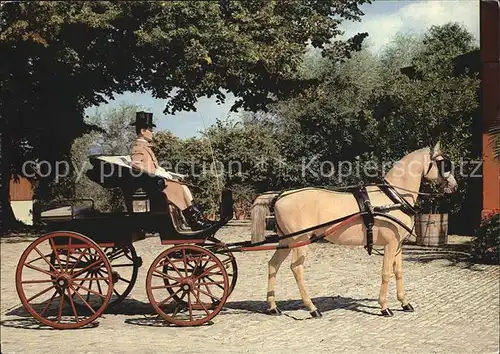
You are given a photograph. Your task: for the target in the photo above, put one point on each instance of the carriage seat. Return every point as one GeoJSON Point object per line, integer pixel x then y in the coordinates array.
{"type": "Point", "coordinates": [142, 192]}
{"type": "Point", "coordinates": [66, 212]}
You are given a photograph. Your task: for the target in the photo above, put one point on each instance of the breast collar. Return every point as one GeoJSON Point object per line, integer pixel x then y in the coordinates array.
{"type": "Point", "coordinates": [397, 198]}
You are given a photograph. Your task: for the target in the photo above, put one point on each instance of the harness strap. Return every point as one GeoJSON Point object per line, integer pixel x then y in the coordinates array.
{"type": "Point", "coordinates": [396, 198]}
{"type": "Point", "coordinates": [365, 206]}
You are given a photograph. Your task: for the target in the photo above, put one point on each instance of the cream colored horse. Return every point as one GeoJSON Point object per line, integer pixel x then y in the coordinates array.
{"type": "Point", "coordinates": [304, 208]}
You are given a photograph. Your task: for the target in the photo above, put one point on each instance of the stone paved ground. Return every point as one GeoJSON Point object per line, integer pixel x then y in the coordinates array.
{"type": "Point", "coordinates": [457, 309]}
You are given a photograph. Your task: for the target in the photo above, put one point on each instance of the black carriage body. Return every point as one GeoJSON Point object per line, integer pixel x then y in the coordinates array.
{"type": "Point", "coordinates": [121, 227]}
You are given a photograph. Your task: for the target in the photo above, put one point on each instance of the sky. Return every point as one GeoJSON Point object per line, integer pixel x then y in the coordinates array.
{"type": "Point", "coordinates": [382, 20]}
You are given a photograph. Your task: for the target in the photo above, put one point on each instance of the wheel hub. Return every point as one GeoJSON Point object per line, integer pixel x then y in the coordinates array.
{"type": "Point", "coordinates": [63, 281]}
{"type": "Point", "coordinates": [186, 284]}
{"type": "Point", "coordinates": [115, 276]}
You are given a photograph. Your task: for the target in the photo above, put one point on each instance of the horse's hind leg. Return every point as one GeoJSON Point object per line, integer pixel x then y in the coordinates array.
{"type": "Point", "coordinates": [297, 266]}
{"type": "Point", "coordinates": [274, 265]}
{"type": "Point", "coordinates": [387, 269]}
{"type": "Point", "coordinates": [398, 272]}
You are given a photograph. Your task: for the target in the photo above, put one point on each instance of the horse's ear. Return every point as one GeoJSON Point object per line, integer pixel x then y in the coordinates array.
{"type": "Point", "coordinates": [436, 149]}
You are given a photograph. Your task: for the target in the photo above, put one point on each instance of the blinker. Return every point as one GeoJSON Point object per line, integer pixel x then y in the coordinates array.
{"type": "Point", "coordinates": [444, 166]}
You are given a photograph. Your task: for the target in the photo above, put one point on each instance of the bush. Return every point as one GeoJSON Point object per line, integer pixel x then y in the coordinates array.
{"type": "Point", "coordinates": [486, 245]}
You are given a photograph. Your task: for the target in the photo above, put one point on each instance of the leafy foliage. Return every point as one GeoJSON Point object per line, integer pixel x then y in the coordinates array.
{"type": "Point", "coordinates": [495, 137]}
{"type": "Point", "coordinates": [59, 58]}
{"type": "Point", "coordinates": [115, 137]}
{"type": "Point", "coordinates": [240, 156]}
{"type": "Point", "coordinates": [377, 109]}
{"type": "Point", "coordinates": [486, 244]}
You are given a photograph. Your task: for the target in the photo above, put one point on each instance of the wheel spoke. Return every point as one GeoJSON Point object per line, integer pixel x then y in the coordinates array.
{"type": "Point", "coordinates": [122, 265]}
{"type": "Point", "coordinates": [200, 302]}
{"type": "Point", "coordinates": [206, 287]}
{"type": "Point", "coordinates": [61, 304]}
{"type": "Point", "coordinates": [41, 270]}
{"type": "Point", "coordinates": [123, 279]}
{"type": "Point", "coordinates": [214, 283]}
{"type": "Point", "coordinates": [163, 275]}
{"type": "Point", "coordinates": [100, 290]}
{"type": "Point", "coordinates": [107, 282]}
{"type": "Point", "coordinates": [197, 262]}
{"type": "Point", "coordinates": [90, 286]}
{"type": "Point", "coordinates": [81, 298]}
{"type": "Point", "coordinates": [48, 303]}
{"type": "Point", "coordinates": [99, 261]}
{"type": "Point", "coordinates": [68, 255]}
{"type": "Point", "coordinates": [54, 249]}
{"type": "Point", "coordinates": [40, 293]}
{"type": "Point", "coordinates": [168, 298]}
{"type": "Point", "coordinates": [207, 272]}
{"type": "Point", "coordinates": [73, 305]}
{"type": "Point", "coordinates": [209, 295]}
{"type": "Point", "coordinates": [45, 259]}
{"type": "Point", "coordinates": [37, 281]}
{"type": "Point", "coordinates": [91, 278]}
{"type": "Point", "coordinates": [165, 286]}
{"type": "Point", "coordinates": [190, 307]}
{"type": "Point", "coordinates": [185, 262]}
{"type": "Point", "coordinates": [173, 265]}
{"type": "Point", "coordinates": [92, 291]}
{"type": "Point", "coordinates": [78, 260]}
{"type": "Point", "coordinates": [116, 254]}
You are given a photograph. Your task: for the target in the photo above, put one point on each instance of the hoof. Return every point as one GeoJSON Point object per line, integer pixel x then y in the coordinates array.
{"type": "Point", "coordinates": [316, 314]}
{"type": "Point", "coordinates": [274, 312]}
{"type": "Point", "coordinates": [387, 313]}
{"type": "Point", "coordinates": [408, 308]}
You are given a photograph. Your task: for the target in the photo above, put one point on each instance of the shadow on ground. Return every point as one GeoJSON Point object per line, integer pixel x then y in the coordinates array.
{"type": "Point", "coordinates": [455, 254]}
{"type": "Point", "coordinates": [324, 304]}
{"type": "Point", "coordinates": [151, 319]}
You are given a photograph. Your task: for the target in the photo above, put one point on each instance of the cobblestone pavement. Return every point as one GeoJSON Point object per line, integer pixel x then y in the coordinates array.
{"type": "Point", "coordinates": [457, 309]}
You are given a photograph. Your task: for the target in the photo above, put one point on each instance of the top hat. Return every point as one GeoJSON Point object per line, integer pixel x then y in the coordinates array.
{"type": "Point", "coordinates": [143, 119]}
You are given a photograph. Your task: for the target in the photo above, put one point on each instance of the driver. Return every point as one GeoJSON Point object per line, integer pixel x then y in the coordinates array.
{"type": "Point", "coordinates": [144, 159]}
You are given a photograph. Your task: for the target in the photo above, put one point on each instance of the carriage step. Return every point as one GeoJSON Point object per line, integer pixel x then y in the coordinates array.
{"type": "Point", "coordinates": [138, 262]}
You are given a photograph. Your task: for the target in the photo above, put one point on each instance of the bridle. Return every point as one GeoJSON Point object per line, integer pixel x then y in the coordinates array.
{"type": "Point", "coordinates": [443, 165]}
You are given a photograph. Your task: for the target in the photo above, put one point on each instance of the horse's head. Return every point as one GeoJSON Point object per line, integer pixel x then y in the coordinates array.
{"type": "Point", "coordinates": [440, 170]}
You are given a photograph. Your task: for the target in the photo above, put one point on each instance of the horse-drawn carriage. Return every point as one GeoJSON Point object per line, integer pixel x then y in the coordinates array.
{"type": "Point", "coordinates": [87, 261]}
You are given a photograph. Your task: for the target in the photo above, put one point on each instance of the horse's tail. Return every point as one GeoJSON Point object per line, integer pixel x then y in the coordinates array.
{"type": "Point", "coordinates": [261, 208]}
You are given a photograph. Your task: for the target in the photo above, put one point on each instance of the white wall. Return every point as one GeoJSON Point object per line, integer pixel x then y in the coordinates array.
{"type": "Point", "coordinates": [23, 211]}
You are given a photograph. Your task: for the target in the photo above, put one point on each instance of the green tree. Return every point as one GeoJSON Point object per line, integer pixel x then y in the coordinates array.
{"type": "Point", "coordinates": [432, 100]}
{"type": "Point", "coordinates": [240, 155]}
{"type": "Point", "coordinates": [114, 137]}
{"type": "Point", "coordinates": [59, 58]}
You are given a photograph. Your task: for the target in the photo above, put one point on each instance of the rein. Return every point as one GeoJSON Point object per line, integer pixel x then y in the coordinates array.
{"type": "Point", "coordinates": [385, 184]}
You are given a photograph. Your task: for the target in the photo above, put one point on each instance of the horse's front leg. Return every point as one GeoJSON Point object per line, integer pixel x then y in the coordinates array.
{"type": "Point", "coordinates": [297, 266]}
{"type": "Point", "coordinates": [273, 266]}
{"type": "Point", "coordinates": [387, 269]}
{"type": "Point", "coordinates": [398, 272]}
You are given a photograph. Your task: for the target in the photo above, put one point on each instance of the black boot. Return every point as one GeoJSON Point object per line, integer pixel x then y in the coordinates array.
{"type": "Point", "coordinates": [195, 219]}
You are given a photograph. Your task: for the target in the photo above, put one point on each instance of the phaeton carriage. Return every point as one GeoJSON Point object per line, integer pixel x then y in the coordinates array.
{"type": "Point", "coordinates": [90, 262]}
{"type": "Point", "coordinates": [86, 254]}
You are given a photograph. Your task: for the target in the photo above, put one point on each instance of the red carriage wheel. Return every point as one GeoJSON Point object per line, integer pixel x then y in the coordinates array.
{"type": "Point", "coordinates": [125, 267]}
{"type": "Point", "coordinates": [125, 264]}
{"type": "Point", "coordinates": [62, 296]}
{"type": "Point", "coordinates": [196, 293]}
{"type": "Point", "coordinates": [227, 259]}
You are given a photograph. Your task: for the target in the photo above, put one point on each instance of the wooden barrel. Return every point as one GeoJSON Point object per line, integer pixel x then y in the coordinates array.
{"type": "Point", "coordinates": [431, 229]}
